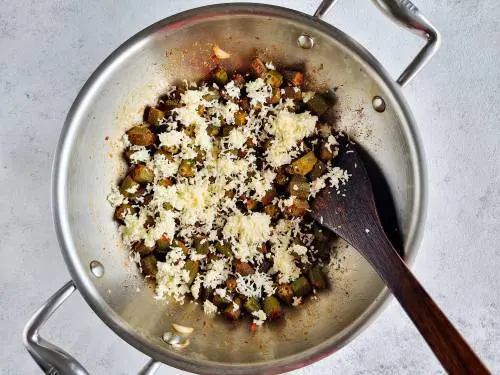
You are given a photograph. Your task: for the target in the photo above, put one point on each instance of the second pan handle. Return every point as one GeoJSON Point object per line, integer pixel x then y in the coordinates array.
{"type": "Point", "coordinates": [406, 14]}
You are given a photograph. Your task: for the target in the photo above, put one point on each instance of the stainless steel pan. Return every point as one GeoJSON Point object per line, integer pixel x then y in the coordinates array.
{"type": "Point", "coordinates": [87, 163]}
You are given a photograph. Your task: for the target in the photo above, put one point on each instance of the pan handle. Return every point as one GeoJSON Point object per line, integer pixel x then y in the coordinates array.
{"type": "Point", "coordinates": [406, 14]}
{"type": "Point", "coordinates": [52, 359]}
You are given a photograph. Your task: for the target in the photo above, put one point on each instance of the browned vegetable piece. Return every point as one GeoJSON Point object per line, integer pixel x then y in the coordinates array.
{"type": "Point", "coordinates": [172, 150]}
{"type": "Point", "coordinates": [240, 118]}
{"type": "Point", "coordinates": [166, 182]}
{"type": "Point", "coordinates": [317, 277]}
{"type": "Point", "coordinates": [202, 245]}
{"type": "Point", "coordinates": [318, 170]}
{"type": "Point", "coordinates": [148, 265]}
{"type": "Point", "coordinates": [141, 136]}
{"type": "Point", "coordinates": [275, 96]}
{"type": "Point", "coordinates": [192, 267]}
{"type": "Point", "coordinates": [299, 187]}
{"type": "Point", "coordinates": [142, 174]}
{"type": "Point", "coordinates": [321, 234]}
{"type": "Point", "coordinates": [272, 308]}
{"type": "Point", "coordinates": [181, 245]}
{"type": "Point", "coordinates": [163, 243]}
{"type": "Point", "coordinates": [129, 188]}
{"type": "Point", "coordinates": [298, 208]}
{"type": "Point", "coordinates": [251, 204]}
{"type": "Point", "coordinates": [231, 283]}
{"type": "Point", "coordinates": [293, 77]}
{"type": "Point", "coordinates": [187, 168]}
{"type": "Point", "coordinates": [293, 93]}
{"type": "Point", "coordinates": [169, 104]}
{"type": "Point", "coordinates": [263, 248]}
{"type": "Point", "coordinates": [226, 129]}
{"type": "Point", "coordinates": [324, 130]}
{"type": "Point", "coordinates": [274, 78]}
{"type": "Point", "coordinates": [123, 210]}
{"type": "Point", "coordinates": [220, 301]}
{"type": "Point", "coordinates": [239, 80]}
{"type": "Point", "coordinates": [231, 312]}
{"type": "Point", "coordinates": [304, 164]}
{"type": "Point", "coordinates": [272, 210]}
{"type": "Point", "coordinates": [213, 130]}
{"type": "Point", "coordinates": [213, 94]}
{"type": "Point", "coordinates": [220, 76]}
{"type": "Point", "coordinates": [149, 222]}
{"type": "Point", "coordinates": [244, 269]}
{"type": "Point", "coordinates": [301, 287]}
{"type": "Point", "coordinates": [224, 248]}
{"type": "Point", "coordinates": [155, 116]}
{"type": "Point", "coordinates": [251, 305]}
{"type": "Point", "coordinates": [281, 178]}
{"type": "Point", "coordinates": [251, 143]}
{"type": "Point", "coordinates": [230, 193]}
{"type": "Point", "coordinates": [258, 67]}
{"type": "Point", "coordinates": [141, 248]}
{"type": "Point", "coordinates": [190, 131]}
{"type": "Point", "coordinates": [318, 104]}
{"type": "Point", "coordinates": [268, 197]}
{"type": "Point", "coordinates": [127, 154]}
{"type": "Point", "coordinates": [285, 293]}
{"type": "Point", "coordinates": [326, 152]}
{"type": "Point", "coordinates": [168, 206]}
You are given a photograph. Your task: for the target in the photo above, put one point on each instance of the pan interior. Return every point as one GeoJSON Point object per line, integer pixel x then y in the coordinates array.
{"type": "Point", "coordinates": [90, 163]}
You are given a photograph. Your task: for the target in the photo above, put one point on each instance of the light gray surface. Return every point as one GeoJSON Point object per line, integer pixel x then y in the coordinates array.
{"type": "Point", "coordinates": [49, 48]}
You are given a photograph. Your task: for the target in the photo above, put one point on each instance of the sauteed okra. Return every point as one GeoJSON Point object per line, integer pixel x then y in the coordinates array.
{"type": "Point", "coordinates": [215, 202]}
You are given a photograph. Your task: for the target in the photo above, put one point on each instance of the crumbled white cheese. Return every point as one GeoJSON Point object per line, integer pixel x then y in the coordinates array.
{"type": "Point", "coordinates": [237, 138]}
{"type": "Point", "coordinates": [172, 277]}
{"type": "Point", "coordinates": [217, 274]}
{"type": "Point", "coordinates": [331, 141]}
{"type": "Point", "coordinates": [333, 177]}
{"type": "Point", "coordinates": [255, 285]}
{"type": "Point", "coordinates": [270, 65]}
{"type": "Point", "coordinates": [306, 96]}
{"type": "Point", "coordinates": [196, 286]}
{"type": "Point", "coordinates": [288, 128]}
{"type": "Point", "coordinates": [141, 155]}
{"type": "Point", "coordinates": [232, 90]}
{"type": "Point", "coordinates": [296, 301]}
{"type": "Point", "coordinates": [258, 91]}
{"type": "Point", "coordinates": [209, 308]}
{"type": "Point", "coordinates": [126, 141]}
{"type": "Point", "coordinates": [260, 317]}
{"type": "Point", "coordinates": [115, 198]}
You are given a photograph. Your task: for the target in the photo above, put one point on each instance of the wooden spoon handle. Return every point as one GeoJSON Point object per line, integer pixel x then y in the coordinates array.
{"type": "Point", "coordinates": [447, 343]}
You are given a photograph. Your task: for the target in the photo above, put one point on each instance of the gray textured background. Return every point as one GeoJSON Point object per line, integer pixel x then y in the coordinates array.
{"type": "Point", "coordinates": [50, 47]}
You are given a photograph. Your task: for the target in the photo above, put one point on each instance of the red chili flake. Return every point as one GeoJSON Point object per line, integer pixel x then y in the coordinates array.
{"type": "Point", "coordinates": [253, 327]}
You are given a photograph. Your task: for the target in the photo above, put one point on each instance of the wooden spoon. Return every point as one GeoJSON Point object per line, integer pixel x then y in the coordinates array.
{"type": "Point", "coordinates": [351, 213]}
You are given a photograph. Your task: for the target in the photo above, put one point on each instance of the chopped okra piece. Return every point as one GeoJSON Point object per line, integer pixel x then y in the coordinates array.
{"type": "Point", "coordinates": [304, 164]}
{"type": "Point", "coordinates": [272, 307]}
{"type": "Point", "coordinates": [326, 152]}
{"type": "Point", "coordinates": [141, 136]}
{"type": "Point", "coordinates": [172, 150]}
{"type": "Point", "coordinates": [123, 210]}
{"type": "Point", "coordinates": [148, 265]}
{"type": "Point", "coordinates": [240, 118]}
{"type": "Point", "coordinates": [233, 312]}
{"type": "Point", "coordinates": [301, 287]}
{"type": "Point", "coordinates": [317, 277]}
{"type": "Point", "coordinates": [293, 77]}
{"type": "Point", "coordinates": [272, 210]}
{"type": "Point", "coordinates": [213, 94]}
{"type": "Point", "coordinates": [167, 206]}
{"type": "Point", "coordinates": [299, 208]}
{"type": "Point", "coordinates": [163, 243]}
{"type": "Point", "coordinates": [244, 269]}
{"type": "Point", "coordinates": [251, 305]}
{"type": "Point", "coordinates": [224, 248]}
{"type": "Point", "coordinates": [220, 301]}
{"type": "Point", "coordinates": [142, 174]}
{"type": "Point", "coordinates": [192, 267]}
{"type": "Point", "coordinates": [274, 78]}
{"type": "Point", "coordinates": [318, 104]}
{"type": "Point", "coordinates": [187, 168]}
{"type": "Point", "coordinates": [285, 293]}
{"type": "Point", "coordinates": [213, 130]}
{"type": "Point", "coordinates": [275, 96]}
{"type": "Point", "coordinates": [318, 170]}
{"type": "Point", "coordinates": [169, 104]}
{"type": "Point", "coordinates": [142, 249]}
{"type": "Point", "coordinates": [129, 188]}
{"type": "Point", "coordinates": [166, 182]}
{"type": "Point", "coordinates": [258, 67]}
{"type": "Point", "coordinates": [226, 129]}
{"type": "Point", "coordinates": [268, 197]}
{"type": "Point", "coordinates": [220, 76]}
{"type": "Point", "coordinates": [201, 245]}
{"type": "Point", "coordinates": [190, 131]}
{"type": "Point", "coordinates": [299, 187]}
{"type": "Point", "coordinates": [155, 116]}
{"type": "Point", "coordinates": [231, 283]}
{"type": "Point", "coordinates": [293, 93]}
